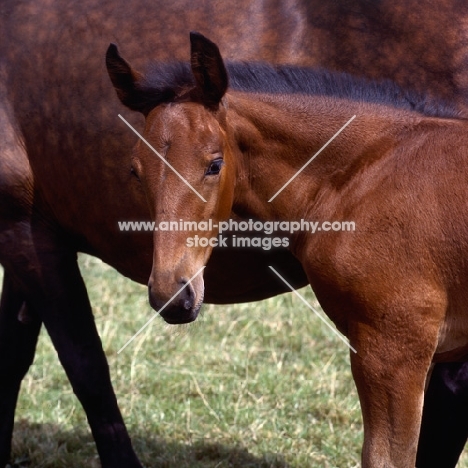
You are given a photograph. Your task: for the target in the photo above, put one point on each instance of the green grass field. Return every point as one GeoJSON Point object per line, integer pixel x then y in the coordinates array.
{"type": "Point", "coordinates": [260, 385]}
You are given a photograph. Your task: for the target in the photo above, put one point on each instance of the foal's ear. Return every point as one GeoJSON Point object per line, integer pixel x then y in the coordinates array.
{"type": "Point", "coordinates": [127, 81]}
{"type": "Point", "coordinates": [208, 68]}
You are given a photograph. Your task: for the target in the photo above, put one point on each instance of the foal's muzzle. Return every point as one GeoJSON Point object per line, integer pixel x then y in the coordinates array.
{"type": "Point", "coordinates": [181, 307]}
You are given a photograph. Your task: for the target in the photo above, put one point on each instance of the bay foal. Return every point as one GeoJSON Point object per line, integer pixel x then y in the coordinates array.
{"type": "Point", "coordinates": [396, 287]}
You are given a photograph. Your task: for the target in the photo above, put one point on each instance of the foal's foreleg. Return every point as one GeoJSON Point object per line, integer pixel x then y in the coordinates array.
{"type": "Point", "coordinates": [19, 329]}
{"type": "Point", "coordinates": [390, 368]}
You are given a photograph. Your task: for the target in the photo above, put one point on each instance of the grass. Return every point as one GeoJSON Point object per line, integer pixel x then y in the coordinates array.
{"type": "Point", "coordinates": [261, 385]}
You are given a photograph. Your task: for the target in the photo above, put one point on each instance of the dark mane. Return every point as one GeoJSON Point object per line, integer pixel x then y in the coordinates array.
{"type": "Point", "coordinates": [165, 81]}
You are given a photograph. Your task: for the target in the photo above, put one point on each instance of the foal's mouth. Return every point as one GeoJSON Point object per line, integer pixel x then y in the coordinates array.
{"type": "Point", "coordinates": [177, 315]}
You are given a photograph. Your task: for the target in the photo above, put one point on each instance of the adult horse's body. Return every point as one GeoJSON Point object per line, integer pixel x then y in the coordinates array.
{"type": "Point", "coordinates": [64, 156]}
{"type": "Point", "coordinates": [396, 287]}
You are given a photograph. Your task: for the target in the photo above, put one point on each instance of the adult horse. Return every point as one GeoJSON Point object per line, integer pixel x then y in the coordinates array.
{"type": "Point", "coordinates": [64, 156]}
{"type": "Point", "coordinates": [396, 287]}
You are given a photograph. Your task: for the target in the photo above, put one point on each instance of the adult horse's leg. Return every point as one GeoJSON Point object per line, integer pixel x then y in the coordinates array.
{"type": "Point", "coordinates": [19, 330]}
{"type": "Point", "coordinates": [49, 274]}
{"type": "Point", "coordinates": [444, 428]}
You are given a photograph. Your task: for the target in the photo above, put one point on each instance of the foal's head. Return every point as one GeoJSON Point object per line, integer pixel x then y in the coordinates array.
{"type": "Point", "coordinates": [188, 174]}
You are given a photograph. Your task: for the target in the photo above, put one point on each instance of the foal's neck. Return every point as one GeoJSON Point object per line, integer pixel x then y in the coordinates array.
{"type": "Point", "coordinates": [275, 136]}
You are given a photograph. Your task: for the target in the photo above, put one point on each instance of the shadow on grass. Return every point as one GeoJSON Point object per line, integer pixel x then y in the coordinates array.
{"type": "Point", "coordinates": [49, 446]}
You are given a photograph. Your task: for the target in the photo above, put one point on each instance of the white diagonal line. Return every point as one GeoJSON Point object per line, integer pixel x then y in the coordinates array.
{"type": "Point", "coordinates": [312, 158]}
{"type": "Point", "coordinates": [334, 330]}
{"type": "Point", "coordinates": [162, 159]}
{"type": "Point", "coordinates": [159, 311]}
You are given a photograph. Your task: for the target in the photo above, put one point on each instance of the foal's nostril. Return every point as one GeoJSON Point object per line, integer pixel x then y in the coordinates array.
{"type": "Point", "coordinates": [187, 295]}
{"type": "Point", "coordinates": [182, 297]}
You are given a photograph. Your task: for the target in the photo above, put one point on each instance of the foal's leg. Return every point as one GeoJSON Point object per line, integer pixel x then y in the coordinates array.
{"type": "Point", "coordinates": [393, 357]}
{"type": "Point", "coordinates": [19, 330]}
{"type": "Point", "coordinates": [444, 428]}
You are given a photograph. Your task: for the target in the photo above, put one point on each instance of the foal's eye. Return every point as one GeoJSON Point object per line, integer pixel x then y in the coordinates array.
{"type": "Point", "coordinates": [134, 174]}
{"type": "Point", "coordinates": [214, 167]}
